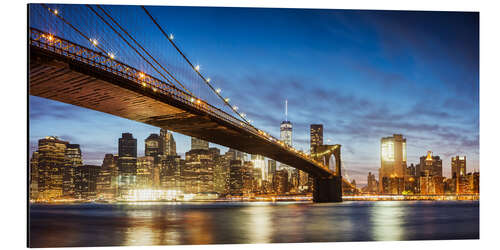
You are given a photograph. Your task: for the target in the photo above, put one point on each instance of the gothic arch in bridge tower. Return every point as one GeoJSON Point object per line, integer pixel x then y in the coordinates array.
{"type": "Point", "coordinates": [328, 189]}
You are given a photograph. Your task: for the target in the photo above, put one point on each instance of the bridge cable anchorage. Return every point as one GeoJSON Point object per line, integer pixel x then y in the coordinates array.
{"type": "Point", "coordinates": [141, 47]}
{"type": "Point", "coordinates": [195, 68]}
{"type": "Point", "coordinates": [132, 47]}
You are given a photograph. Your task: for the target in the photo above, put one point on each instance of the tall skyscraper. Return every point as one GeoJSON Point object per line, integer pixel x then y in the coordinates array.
{"type": "Point", "coordinates": [51, 163]}
{"type": "Point", "coordinates": [153, 145]}
{"type": "Point", "coordinates": [235, 177]}
{"type": "Point", "coordinates": [74, 160]}
{"type": "Point", "coordinates": [107, 179]}
{"type": "Point", "coordinates": [393, 160]}
{"type": "Point", "coordinates": [286, 128]}
{"type": "Point", "coordinates": [198, 144]}
{"type": "Point", "coordinates": [458, 166]}
{"type": "Point", "coordinates": [34, 176]}
{"type": "Point", "coordinates": [259, 163]}
{"type": "Point", "coordinates": [86, 181]}
{"type": "Point", "coordinates": [316, 136]}
{"type": "Point", "coordinates": [168, 145]}
{"type": "Point", "coordinates": [127, 163]}
{"type": "Point", "coordinates": [459, 174]}
{"type": "Point", "coordinates": [286, 134]}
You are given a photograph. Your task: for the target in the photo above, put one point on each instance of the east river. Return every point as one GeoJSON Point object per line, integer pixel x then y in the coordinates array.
{"type": "Point", "coordinates": [76, 225]}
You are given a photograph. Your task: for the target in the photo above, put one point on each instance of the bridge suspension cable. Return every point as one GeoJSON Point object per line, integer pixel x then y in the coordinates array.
{"type": "Point", "coordinates": [132, 47]}
{"type": "Point", "coordinates": [196, 68]}
{"type": "Point", "coordinates": [56, 13]}
{"type": "Point", "coordinates": [137, 43]}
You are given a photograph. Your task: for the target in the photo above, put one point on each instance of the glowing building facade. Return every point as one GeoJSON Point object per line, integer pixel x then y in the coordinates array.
{"type": "Point", "coordinates": [392, 162]}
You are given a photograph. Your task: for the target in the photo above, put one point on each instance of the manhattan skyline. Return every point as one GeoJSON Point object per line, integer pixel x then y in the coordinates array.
{"type": "Point", "coordinates": [364, 75]}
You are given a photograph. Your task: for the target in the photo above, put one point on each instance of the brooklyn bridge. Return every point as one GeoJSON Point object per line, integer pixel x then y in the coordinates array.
{"type": "Point", "coordinates": [67, 63]}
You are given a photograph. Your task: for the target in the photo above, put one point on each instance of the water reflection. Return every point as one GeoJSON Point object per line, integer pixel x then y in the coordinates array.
{"type": "Point", "coordinates": [387, 219]}
{"type": "Point", "coordinates": [222, 223]}
{"type": "Point", "coordinates": [259, 224]}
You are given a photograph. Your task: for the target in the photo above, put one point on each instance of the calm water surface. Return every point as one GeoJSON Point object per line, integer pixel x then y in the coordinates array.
{"type": "Point", "coordinates": [252, 222]}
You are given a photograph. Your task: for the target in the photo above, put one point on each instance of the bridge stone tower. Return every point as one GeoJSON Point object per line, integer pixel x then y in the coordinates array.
{"type": "Point", "coordinates": [327, 189]}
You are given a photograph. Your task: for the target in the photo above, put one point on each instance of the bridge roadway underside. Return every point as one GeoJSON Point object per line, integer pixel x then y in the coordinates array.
{"type": "Point", "coordinates": [63, 79]}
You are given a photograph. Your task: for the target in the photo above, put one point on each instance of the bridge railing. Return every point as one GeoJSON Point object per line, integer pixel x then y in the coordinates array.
{"type": "Point", "coordinates": [107, 63]}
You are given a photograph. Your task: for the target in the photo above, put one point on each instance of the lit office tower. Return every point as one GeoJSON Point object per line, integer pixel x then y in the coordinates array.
{"type": "Point", "coordinates": [86, 181]}
{"type": "Point", "coordinates": [286, 128]}
{"type": "Point", "coordinates": [51, 162]}
{"type": "Point", "coordinates": [393, 160]}
{"type": "Point", "coordinates": [459, 174]}
{"type": "Point", "coordinates": [34, 176]}
{"type": "Point", "coordinates": [260, 163]}
{"type": "Point", "coordinates": [316, 136]}
{"type": "Point", "coordinates": [458, 166]}
{"type": "Point", "coordinates": [235, 177]}
{"type": "Point", "coordinates": [286, 133]}
{"type": "Point", "coordinates": [153, 145]}
{"type": "Point", "coordinates": [198, 143]}
{"type": "Point", "coordinates": [73, 161]}
{"type": "Point", "coordinates": [430, 165]}
{"type": "Point", "coordinates": [127, 163]}
{"type": "Point", "coordinates": [106, 180]}
{"type": "Point", "coordinates": [168, 146]}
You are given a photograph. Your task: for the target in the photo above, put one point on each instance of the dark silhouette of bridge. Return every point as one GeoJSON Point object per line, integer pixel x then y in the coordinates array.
{"type": "Point", "coordinates": [64, 71]}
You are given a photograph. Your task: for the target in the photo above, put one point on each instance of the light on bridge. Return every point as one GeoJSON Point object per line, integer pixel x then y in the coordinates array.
{"type": "Point", "coordinates": [243, 114]}
{"type": "Point", "coordinates": [192, 99]}
{"type": "Point", "coordinates": [94, 42]}
{"type": "Point", "coordinates": [218, 91]}
{"type": "Point", "coordinates": [50, 37]}
{"type": "Point", "coordinates": [141, 75]}
{"type": "Point", "coordinates": [235, 107]}
{"type": "Point", "coordinates": [171, 37]}
{"type": "Point", "coordinates": [227, 100]}
{"type": "Point", "coordinates": [56, 11]}
{"type": "Point", "coordinates": [111, 55]}
{"type": "Point", "coordinates": [197, 67]}
{"type": "Point", "coordinates": [208, 79]}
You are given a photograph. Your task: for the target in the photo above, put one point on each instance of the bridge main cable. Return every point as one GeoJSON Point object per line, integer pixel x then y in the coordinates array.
{"type": "Point", "coordinates": [140, 46]}
{"type": "Point", "coordinates": [127, 42]}
{"type": "Point", "coordinates": [193, 67]}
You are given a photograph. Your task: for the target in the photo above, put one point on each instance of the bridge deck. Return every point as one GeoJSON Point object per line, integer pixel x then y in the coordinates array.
{"type": "Point", "coordinates": [58, 77]}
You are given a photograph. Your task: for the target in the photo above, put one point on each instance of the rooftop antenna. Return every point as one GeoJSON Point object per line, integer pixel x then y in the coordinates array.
{"type": "Point", "coordinates": [286, 109]}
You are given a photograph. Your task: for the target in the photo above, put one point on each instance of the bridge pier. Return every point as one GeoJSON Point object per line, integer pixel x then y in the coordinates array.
{"type": "Point", "coordinates": [327, 189]}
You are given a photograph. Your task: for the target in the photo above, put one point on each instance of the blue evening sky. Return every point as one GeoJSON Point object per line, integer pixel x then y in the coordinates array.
{"type": "Point", "coordinates": [362, 74]}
